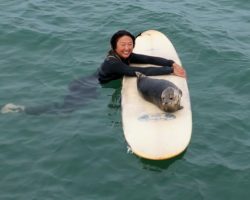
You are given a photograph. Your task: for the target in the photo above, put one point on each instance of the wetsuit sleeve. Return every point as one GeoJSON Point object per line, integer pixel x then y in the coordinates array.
{"type": "Point", "coordinates": [144, 59]}
{"type": "Point", "coordinates": [113, 69]}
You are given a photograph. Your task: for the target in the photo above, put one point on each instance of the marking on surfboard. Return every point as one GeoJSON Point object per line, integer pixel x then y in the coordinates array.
{"type": "Point", "coordinates": [156, 117]}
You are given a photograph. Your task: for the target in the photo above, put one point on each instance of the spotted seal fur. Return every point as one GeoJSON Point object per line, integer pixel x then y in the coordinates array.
{"type": "Point", "coordinates": [163, 93]}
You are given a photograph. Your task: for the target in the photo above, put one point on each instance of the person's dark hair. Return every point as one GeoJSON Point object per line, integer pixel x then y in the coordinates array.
{"type": "Point", "coordinates": [117, 35]}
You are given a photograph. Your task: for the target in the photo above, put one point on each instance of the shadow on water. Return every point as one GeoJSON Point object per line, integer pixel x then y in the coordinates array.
{"type": "Point", "coordinates": [160, 165]}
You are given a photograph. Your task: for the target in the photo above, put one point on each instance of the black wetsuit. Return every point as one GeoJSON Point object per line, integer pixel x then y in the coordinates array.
{"type": "Point", "coordinates": [114, 67]}
{"type": "Point", "coordinates": [83, 90]}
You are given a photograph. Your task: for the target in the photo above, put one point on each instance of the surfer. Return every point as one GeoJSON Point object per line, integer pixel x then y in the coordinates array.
{"type": "Point", "coordinates": [115, 66]}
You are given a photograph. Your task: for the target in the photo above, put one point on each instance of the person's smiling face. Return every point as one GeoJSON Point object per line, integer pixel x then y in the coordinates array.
{"type": "Point", "coordinates": [124, 46]}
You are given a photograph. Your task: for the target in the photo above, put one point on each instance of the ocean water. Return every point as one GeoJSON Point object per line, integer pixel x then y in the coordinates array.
{"type": "Point", "coordinates": [47, 44]}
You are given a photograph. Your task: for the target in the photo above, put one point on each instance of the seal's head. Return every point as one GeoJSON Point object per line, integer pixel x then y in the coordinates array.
{"type": "Point", "coordinates": [171, 98]}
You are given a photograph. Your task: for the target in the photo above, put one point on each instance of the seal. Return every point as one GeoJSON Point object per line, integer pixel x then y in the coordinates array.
{"type": "Point", "coordinates": [163, 93]}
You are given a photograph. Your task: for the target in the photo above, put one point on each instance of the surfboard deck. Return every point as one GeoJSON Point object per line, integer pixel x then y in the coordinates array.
{"type": "Point", "coordinates": [150, 132]}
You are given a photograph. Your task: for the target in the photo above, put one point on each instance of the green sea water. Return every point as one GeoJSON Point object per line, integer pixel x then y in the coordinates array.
{"type": "Point", "coordinates": [46, 44]}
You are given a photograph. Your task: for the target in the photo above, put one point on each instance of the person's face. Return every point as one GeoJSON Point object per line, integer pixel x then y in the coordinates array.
{"type": "Point", "coordinates": [124, 46]}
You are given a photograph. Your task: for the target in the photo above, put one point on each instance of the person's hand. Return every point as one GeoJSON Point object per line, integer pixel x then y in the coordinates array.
{"type": "Point", "coordinates": [178, 70]}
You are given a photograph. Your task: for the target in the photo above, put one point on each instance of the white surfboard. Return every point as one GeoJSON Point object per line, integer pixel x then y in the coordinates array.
{"type": "Point", "coordinates": [150, 132]}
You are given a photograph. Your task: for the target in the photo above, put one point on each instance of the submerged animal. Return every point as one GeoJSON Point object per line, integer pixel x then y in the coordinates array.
{"type": "Point", "coordinates": [163, 93]}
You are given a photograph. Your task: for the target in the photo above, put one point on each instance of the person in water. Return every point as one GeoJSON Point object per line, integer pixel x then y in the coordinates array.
{"type": "Point", "coordinates": [115, 66]}
{"type": "Point", "coordinates": [117, 63]}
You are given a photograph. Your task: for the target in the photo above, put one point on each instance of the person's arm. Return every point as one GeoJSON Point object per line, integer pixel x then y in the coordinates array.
{"type": "Point", "coordinates": [117, 67]}
{"type": "Point", "coordinates": [113, 69]}
{"type": "Point", "coordinates": [145, 59]}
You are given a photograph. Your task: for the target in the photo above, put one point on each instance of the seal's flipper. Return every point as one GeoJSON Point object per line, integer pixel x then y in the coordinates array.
{"type": "Point", "coordinates": [139, 74]}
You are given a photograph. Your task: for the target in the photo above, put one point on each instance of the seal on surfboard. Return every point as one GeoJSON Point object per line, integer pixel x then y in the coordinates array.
{"type": "Point", "coordinates": [163, 93]}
